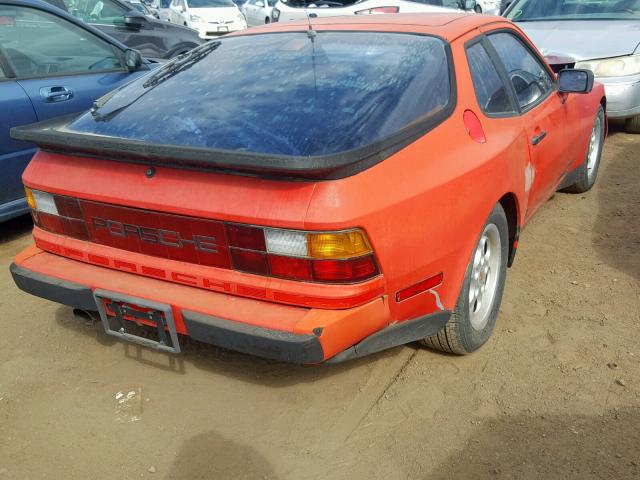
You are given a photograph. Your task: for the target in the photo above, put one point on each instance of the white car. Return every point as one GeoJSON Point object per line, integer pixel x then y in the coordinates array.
{"type": "Point", "coordinates": [286, 10]}
{"type": "Point", "coordinates": [258, 12]}
{"type": "Point", "coordinates": [162, 7]}
{"type": "Point", "coordinates": [211, 18]}
{"type": "Point", "coordinates": [490, 7]}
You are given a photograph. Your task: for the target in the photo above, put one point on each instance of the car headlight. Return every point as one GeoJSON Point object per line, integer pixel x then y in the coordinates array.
{"type": "Point", "coordinates": [275, 13]}
{"type": "Point", "coordinates": [240, 17]}
{"type": "Point", "coordinates": [196, 18]}
{"type": "Point", "coordinates": [613, 67]}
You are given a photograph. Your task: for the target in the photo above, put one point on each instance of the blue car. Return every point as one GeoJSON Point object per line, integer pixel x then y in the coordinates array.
{"type": "Point", "coordinates": [51, 64]}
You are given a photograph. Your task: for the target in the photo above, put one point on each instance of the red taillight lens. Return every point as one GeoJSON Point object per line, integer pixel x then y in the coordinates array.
{"type": "Point", "coordinates": [68, 207]}
{"type": "Point", "coordinates": [249, 238]}
{"type": "Point", "coordinates": [248, 261]}
{"type": "Point", "coordinates": [62, 225]}
{"type": "Point", "coordinates": [350, 270]}
{"type": "Point", "coordinates": [290, 267]}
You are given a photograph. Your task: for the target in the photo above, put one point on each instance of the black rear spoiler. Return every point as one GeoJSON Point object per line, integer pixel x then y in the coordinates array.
{"type": "Point", "coordinates": [53, 135]}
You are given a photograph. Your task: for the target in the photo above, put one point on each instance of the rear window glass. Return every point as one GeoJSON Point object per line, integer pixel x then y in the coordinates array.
{"type": "Point", "coordinates": [284, 94]}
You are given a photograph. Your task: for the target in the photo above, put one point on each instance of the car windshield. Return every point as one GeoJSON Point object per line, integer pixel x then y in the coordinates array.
{"type": "Point", "coordinates": [283, 94]}
{"type": "Point", "coordinates": [210, 3]}
{"type": "Point", "coordinates": [544, 10]}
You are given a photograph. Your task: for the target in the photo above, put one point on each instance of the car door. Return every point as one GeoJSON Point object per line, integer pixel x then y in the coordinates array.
{"type": "Point", "coordinates": [543, 113]}
{"type": "Point", "coordinates": [61, 66]}
{"type": "Point", "coordinates": [179, 12]}
{"type": "Point", "coordinates": [108, 16]}
{"type": "Point", "coordinates": [15, 110]}
{"type": "Point", "coordinates": [249, 12]}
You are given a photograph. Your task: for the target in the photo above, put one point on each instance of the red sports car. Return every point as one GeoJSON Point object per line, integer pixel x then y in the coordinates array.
{"type": "Point", "coordinates": [311, 192]}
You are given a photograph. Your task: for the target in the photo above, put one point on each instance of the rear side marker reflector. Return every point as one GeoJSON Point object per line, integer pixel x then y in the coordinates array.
{"type": "Point", "coordinates": [419, 287]}
{"type": "Point", "coordinates": [474, 127]}
{"type": "Point", "coordinates": [325, 257]}
{"type": "Point", "coordinates": [378, 10]}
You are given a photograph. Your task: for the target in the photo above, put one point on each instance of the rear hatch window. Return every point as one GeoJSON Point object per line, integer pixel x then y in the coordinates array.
{"type": "Point", "coordinates": [279, 100]}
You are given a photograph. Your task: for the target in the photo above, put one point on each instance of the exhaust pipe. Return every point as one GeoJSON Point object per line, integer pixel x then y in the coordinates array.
{"type": "Point", "coordinates": [87, 317]}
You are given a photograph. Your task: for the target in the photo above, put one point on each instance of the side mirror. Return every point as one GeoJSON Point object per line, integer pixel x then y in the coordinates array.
{"type": "Point", "coordinates": [259, 4]}
{"type": "Point", "coordinates": [469, 4]}
{"type": "Point", "coordinates": [135, 20]}
{"type": "Point", "coordinates": [132, 59]}
{"type": "Point", "coordinates": [575, 81]}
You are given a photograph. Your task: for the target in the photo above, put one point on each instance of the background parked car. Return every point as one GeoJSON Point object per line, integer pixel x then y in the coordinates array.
{"type": "Point", "coordinates": [602, 36]}
{"type": "Point", "coordinates": [143, 8]}
{"type": "Point", "coordinates": [286, 10]}
{"type": "Point", "coordinates": [211, 18]}
{"type": "Point", "coordinates": [258, 12]}
{"type": "Point", "coordinates": [153, 38]}
{"type": "Point", "coordinates": [162, 7]}
{"type": "Point", "coordinates": [489, 7]}
{"type": "Point", "coordinates": [52, 65]}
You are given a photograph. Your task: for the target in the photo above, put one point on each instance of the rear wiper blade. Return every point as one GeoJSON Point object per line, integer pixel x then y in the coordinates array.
{"type": "Point", "coordinates": [183, 62]}
{"type": "Point", "coordinates": [107, 106]}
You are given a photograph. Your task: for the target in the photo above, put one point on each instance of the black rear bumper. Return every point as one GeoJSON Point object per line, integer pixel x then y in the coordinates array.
{"type": "Point", "coordinates": [261, 342]}
{"type": "Point", "coordinates": [241, 337]}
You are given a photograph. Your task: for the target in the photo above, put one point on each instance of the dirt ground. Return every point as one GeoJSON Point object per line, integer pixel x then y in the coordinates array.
{"type": "Point", "coordinates": [555, 394]}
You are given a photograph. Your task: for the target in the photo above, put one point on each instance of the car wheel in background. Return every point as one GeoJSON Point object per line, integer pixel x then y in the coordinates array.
{"type": "Point", "coordinates": [632, 125]}
{"type": "Point", "coordinates": [267, 20]}
{"type": "Point", "coordinates": [478, 8]}
{"type": "Point", "coordinates": [587, 173]}
{"type": "Point", "coordinates": [474, 316]}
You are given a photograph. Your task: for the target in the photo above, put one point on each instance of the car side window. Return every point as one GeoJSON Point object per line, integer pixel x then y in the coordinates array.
{"type": "Point", "coordinates": [531, 80]}
{"type": "Point", "coordinates": [491, 92]}
{"type": "Point", "coordinates": [96, 11]}
{"type": "Point", "coordinates": [40, 44]}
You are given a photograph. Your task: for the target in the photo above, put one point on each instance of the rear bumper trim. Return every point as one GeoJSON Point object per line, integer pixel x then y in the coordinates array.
{"type": "Point", "coordinates": [54, 289]}
{"type": "Point", "coordinates": [262, 342]}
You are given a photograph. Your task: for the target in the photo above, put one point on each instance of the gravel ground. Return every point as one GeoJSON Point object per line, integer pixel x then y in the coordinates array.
{"type": "Point", "coordinates": [555, 394]}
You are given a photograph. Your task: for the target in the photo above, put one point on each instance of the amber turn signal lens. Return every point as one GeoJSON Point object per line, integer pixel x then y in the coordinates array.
{"type": "Point", "coordinates": [30, 200]}
{"type": "Point", "coordinates": [337, 245]}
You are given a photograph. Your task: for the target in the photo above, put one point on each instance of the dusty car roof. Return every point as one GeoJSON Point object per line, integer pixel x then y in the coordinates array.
{"type": "Point", "coordinates": [445, 25]}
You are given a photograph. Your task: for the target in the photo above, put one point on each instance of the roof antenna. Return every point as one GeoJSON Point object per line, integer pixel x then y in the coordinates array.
{"type": "Point", "coordinates": [311, 33]}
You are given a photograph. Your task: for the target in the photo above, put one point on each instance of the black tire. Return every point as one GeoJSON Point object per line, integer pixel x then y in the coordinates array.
{"type": "Point", "coordinates": [584, 182]}
{"type": "Point", "coordinates": [478, 8]}
{"type": "Point", "coordinates": [632, 125]}
{"type": "Point", "coordinates": [267, 20]}
{"type": "Point", "coordinates": [459, 336]}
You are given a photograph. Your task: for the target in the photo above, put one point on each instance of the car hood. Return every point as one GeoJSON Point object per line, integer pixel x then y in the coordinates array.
{"type": "Point", "coordinates": [584, 40]}
{"type": "Point", "coordinates": [216, 14]}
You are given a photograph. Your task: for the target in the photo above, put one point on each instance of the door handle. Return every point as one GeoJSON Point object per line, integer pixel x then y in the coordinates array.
{"type": "Point", "coordinates": [535, 140]}
{"type": "Point", "coordinates": [56, 94]}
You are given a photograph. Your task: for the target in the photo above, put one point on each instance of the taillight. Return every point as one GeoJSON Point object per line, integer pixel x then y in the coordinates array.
{"type": "Point", "coordinates": [377, 10]}
{"type": "Point", "coordinates": [57, 214]}
{"type": "Point", "coordinates": [326, 257]}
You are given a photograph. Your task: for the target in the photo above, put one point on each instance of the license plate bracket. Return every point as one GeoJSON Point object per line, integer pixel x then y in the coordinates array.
{"type": "Point", "coordinates": [126, 310]}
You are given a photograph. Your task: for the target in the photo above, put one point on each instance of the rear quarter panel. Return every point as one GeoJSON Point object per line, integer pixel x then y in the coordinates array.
{"type": "Point", "coordinates": [424, 207]}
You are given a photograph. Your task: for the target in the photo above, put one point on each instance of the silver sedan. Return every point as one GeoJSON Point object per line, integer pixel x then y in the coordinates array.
{"type": "Point", "coordinates": [601, 35]}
